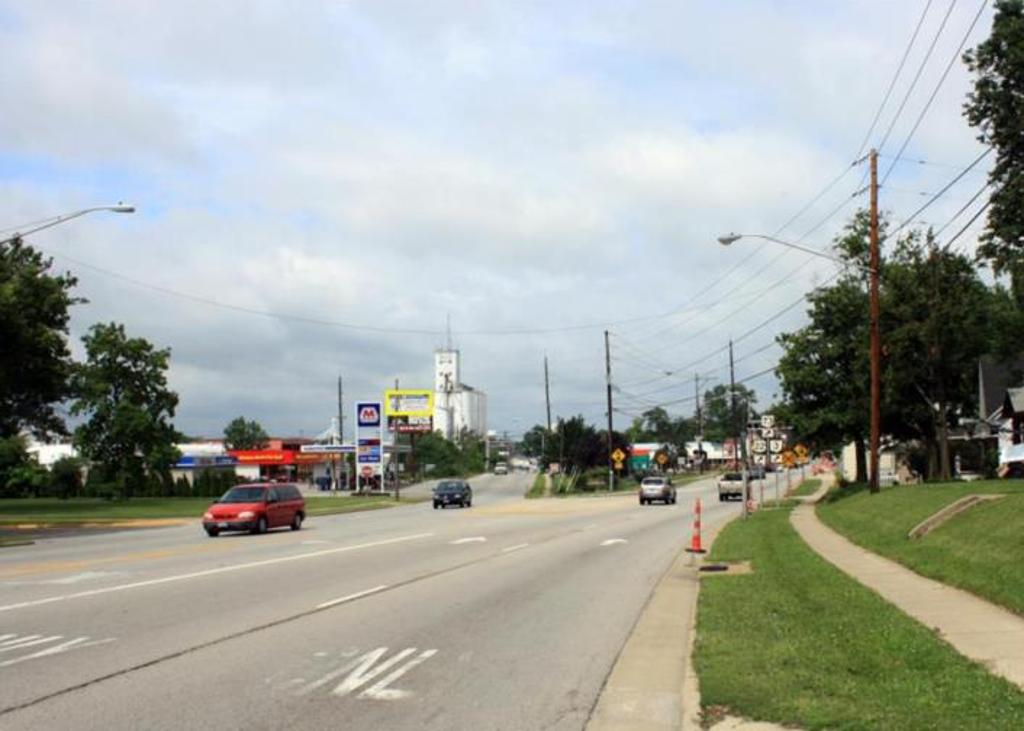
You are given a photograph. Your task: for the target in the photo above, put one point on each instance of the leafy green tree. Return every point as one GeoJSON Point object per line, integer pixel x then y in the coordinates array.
{"type": "Point", "coordinates": [824, 370]}
{"type": "Point", "coordinates": [996, 109]}
{"type": "Point", "coordinates": [35, 363]}
{"type": "Point", "coordinates": [720, 421]}
{"type": "Point", "coordinates": [66, 475]}
{"type": "Point", "coordinates": [122, 391]}
{"type": "Point", "coordinates": [575, 444]}
{"type": "Point", "coordinates": [241, 433]}
{"type": "Point", "coordinates": [534, 441]}
{"type": "Point", "coordinates": [935, 318]}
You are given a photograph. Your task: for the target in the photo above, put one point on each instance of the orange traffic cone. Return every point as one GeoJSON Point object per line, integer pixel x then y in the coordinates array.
{"type": "Point", "coordinates": [695, 546]}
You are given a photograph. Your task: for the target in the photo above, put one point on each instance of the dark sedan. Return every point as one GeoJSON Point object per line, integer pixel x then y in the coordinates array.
{"type": "Point", "coordinates": [453, 492]}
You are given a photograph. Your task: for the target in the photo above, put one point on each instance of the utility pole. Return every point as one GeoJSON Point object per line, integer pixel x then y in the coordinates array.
{"type": "Point", "coordinates": [608, 381]}
{"type": "Point", "coordinates": [341, 440]}
{"type": "Point", "coordinates": [735, 426]}
{"type": "Point", "coordinates": [547, 392]}
{"type": "Point", "coordinates": [876, 342]}
{"type": "Point", "coordinates": [700, 423]}
{"type": "Point", "coordinates": [341, 412]}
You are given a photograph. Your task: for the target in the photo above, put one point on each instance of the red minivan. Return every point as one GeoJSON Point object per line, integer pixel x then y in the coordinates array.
{"type": "Point", "coordinates": [256, 508]}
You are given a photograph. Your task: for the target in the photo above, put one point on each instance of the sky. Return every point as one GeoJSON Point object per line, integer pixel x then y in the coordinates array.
{"type": "Point", "coordinates": [322, 186]}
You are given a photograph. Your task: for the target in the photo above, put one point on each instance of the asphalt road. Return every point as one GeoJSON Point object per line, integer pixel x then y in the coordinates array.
{"type": "Point", "coordinates": [507, 615]}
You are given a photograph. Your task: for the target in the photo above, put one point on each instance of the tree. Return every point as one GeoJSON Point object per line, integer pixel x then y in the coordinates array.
{"type": "Point", "coordinates": [245, 434]}
{"type": "Point", "coordinates": [122, 391]}
{"type": "Point", "coordinates": [575, 444]}
{"type": "Point", "coordinates": [996, 109]}
{"type": "Point", "coordinates": [720, 421]}
{"type": "Point", "coordinates": [935, 316]}
{"type": "Point", "coordinates": [535, 440]}
{"type": "Point", "coordinates": [35, 363]}
{"type": "Point", "coordinates": [824, 370]}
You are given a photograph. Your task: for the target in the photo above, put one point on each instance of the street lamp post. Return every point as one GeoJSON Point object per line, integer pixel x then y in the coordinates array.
{"type": "Point", "coordinates": [876, 348]}
{"type": "Point", "coordinates": [65, 217]}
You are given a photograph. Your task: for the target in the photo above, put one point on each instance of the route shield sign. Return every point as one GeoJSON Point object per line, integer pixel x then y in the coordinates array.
{"type": "Point", "coordinates": [776, 445]}
{"type": "Point", "coordinates": [767, 421]}
{"type": "Point", "coordinates": [760, 446]}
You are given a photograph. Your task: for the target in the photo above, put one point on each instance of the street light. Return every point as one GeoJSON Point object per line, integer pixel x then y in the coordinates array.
{"type": "Point", "coordinates": [876, 340]}
{"type": "Point", "coordinates": [729, 239]}
{"type": "Point", "coordinates": [64, 217]}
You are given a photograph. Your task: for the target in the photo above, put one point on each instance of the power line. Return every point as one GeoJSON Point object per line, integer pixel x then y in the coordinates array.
{"type": "Point", "coordinates": [947, 186]}
{"type": "Point", "coordinates": [892, 83]}
{"type": "Point", "coordinates": [935, 91]}
{"type": "Point", "coordinates": [917, 76]}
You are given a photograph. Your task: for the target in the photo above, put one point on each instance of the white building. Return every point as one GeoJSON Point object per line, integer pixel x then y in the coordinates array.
{"type": "Point", "coordinates": [457, 407]}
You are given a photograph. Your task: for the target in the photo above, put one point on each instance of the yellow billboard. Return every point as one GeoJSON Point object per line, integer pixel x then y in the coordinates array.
{"type": "Point", "coordinates": [409, 402]}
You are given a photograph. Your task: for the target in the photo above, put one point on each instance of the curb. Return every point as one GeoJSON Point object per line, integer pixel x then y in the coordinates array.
{"type": "Point", "coordinates": [628, 700]}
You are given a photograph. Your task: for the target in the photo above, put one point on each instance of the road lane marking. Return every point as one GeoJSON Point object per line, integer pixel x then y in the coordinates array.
{"type": "Point", "coordinates": [514, 548]}
{"type": "Point", "coordinates": [380, 690]}
{"type": "Point", "coordinates": [29, 641]}
{"type": "Point", "coordinates": [367, 670]}
{"type": "Point", "coordinates": [77, 643]}
{"type": "Point", "coordinates": [209, 572]}
{"type": "Point", "coordinates": [472, 539]}
{"type": "Point", "coordinates": [614, 541]}
{"type": "Point", "coordinates": [24, 642]}
{"type": "Point", "coordinates": [350, 597]}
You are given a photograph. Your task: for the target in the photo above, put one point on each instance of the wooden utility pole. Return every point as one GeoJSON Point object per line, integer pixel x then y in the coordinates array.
{"type": "Point", "coordinates": [547, 392]}
{"type": "Point", "coordinates": [876, 343]}
{"type": "Point", "coordinates": [700, 423]}
{"type": "Point", "coordinates": [608, 381]}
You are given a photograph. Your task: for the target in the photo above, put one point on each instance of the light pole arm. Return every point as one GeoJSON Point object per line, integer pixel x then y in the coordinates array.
{"type": "Point", "coordinates": [119, 208]}
{"type": "Point", "coordinates": [726, 240]}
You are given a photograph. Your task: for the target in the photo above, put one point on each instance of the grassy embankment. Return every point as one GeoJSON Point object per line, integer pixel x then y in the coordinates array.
{"type": "Point", "coordinates": [981, 550]}
{"type": "Point", "coordinates": [798, 642]}
{"type": "Point", "coordinates": [88, 510]}
{"type": "Point", "coordinates": [537, 488]}
{"type": "Point", "coordinates": [807, 487]}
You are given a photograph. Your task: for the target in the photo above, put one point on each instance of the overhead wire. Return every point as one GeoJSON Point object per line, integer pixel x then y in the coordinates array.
{"type": "Point", "coordinates": [935, 91]}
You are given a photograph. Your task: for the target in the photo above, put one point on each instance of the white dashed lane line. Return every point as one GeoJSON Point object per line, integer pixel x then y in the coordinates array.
{"type": "Point", "coordinates": [351, 597]}
{"type": "Point", "coordinates": [472, 539]}
{"type": "Point", "coordinates": [510, 549]}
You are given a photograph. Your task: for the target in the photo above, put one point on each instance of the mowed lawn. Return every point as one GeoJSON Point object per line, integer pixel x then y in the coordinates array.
{"type": "Point", "coordinates": [800, 643]}
{"type": "Point", "coordinates": [88, 510]}
{"type": "Point", "coordinates": [981, 550]}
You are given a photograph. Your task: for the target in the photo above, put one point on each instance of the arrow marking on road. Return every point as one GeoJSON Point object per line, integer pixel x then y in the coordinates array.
{"type": "Point", "coordinates": [473, 539]}
{"type": "Point", "coordinates": [614, 541]}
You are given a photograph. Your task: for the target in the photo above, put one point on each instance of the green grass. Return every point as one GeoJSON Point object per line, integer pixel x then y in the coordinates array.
{"type": "Point", "coordinates": [798, 642]}
{"type": "Point", "coordinates": [980, 550]}
{"type": "Point", "coordinates": [89, 510]}
{"type": "Point", "coordinates": [808, 487]}
{"type": "Point", "coordinates": [537, 488]}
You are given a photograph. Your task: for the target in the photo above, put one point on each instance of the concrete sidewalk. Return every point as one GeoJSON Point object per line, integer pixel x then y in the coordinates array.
{"type": "Point", "coordinates": [977, 629]}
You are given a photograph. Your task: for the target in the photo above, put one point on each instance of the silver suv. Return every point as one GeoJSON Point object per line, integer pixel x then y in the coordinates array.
{"type": "Point", "coordinates": [657, 488]}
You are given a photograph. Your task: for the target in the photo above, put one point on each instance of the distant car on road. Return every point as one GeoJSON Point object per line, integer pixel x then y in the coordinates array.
{"type": "Point", "coordinates": [453, 492]}
{"type": "Point", "coordinates": [730, 485]}
{"type": "Point", "coordinates": [657, 488]}
{"type": "Point", "coordinates": [256, 508]}
{"type": "Point", "coordinates": [501, 468]}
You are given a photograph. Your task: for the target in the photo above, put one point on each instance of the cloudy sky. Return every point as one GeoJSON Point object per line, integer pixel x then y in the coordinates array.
{"type": "Point", "coordinates": [321, 184]}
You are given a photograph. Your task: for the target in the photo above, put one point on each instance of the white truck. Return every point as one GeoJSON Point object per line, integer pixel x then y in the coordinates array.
{"type": "Point", "coordinates": [730, 485]}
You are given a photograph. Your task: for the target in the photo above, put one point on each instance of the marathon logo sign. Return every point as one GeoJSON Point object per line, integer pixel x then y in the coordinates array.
{"type": "Point", "coordinates": [368, 414]}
